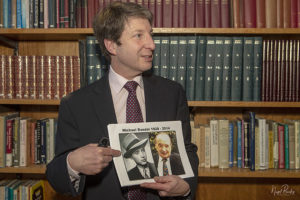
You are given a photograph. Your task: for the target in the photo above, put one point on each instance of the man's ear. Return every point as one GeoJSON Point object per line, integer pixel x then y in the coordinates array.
{"type": "Point", "coordinates": [110, 46]}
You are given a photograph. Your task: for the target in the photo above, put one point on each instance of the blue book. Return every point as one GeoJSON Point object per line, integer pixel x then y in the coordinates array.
{"type": "Point", "coordinates": [156, 55]}
{"type": "Point", "coordinates": [248, 61]}
{"type": "Point", "coordinates": [237, 71]}
{"type": "Point", "coordinates": [181, 71]}
{"type": "Point", "coordinates": [164, 56]}
{"type": "Point", "coordinates": [24, 13]}
{"type": "Point", "coordinates": [5, 14]}
{"type": "Point", "coordinates": [191, 67]}
{"type": "Point", "coordinates": [173, 57]}
{"type": "Point", "coordinates": [200, 68]}
{"type": "Point", "coordinates": [257, 68]}
{"type": "Point", "coordinates": [250, 118]}
{"type": "Point", "coordinates": [19, 14]}
{"type": "Point", "coordinates": [209, 68]}
{"type": "Point", "coordinates": [231, 127]}
{"type": "Point", "coordinates": [239, 143]}
{"type": "Point", "coordinates": [227, 60]}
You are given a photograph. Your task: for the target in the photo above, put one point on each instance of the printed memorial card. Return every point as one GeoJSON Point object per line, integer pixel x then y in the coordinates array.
{"type": "Point", "coordinates": [147, 150]}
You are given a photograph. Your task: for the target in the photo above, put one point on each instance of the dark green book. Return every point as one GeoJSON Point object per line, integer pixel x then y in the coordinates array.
{"type": "Point", "coordinates": [200, 69]}
{"type": "Point", "coordinates": [218, 69]}
{"type": "Point", "coordinates": [257, 63]}
{"type": "Point", "coordinates": [164, 56]}
{"type": "Point", "coordinates": [156, 56]}
{"type": "Point", "coordinates": [226, 75]}
{"type": "Point", "coordinates": [181, 63]}
{"type": "Point", "coordinates": [286, 147]}
{"type": "Point", "coordinates": [237, 71]}
{"type": "Point", "coordinates": [173, 58]}
{"type": "Point", "coordinates": [191, 67]}
{"type": "Point", "coordinates": [248, 59]}
{"type": "Point", "coordinates": [209, 68]}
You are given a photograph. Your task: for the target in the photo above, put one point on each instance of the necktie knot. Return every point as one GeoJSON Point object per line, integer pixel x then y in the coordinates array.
{"type": "Point", "coordinates": [130, 86]}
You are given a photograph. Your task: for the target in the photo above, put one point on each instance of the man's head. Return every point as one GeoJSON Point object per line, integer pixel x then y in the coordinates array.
{"type": "Point", "coordinates": [110, 22]}
{"type": "Point", "coordinates": [163, 144]}
{"type": "Point", "coordinates": [135, 149]}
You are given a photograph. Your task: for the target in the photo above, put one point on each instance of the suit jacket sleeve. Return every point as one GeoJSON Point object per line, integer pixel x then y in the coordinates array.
{"type": "Point", "coordinates": [67, 139]}
{"type": "Point", "coordinates": [191, 149]}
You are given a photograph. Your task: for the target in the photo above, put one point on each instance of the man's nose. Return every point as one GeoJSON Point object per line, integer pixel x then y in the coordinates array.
{"type": "Point", "coordinates": [150, 43]}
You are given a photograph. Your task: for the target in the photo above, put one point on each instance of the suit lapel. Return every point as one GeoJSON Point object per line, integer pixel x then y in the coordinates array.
{"type": "Point", "coordinates": [103, 104]}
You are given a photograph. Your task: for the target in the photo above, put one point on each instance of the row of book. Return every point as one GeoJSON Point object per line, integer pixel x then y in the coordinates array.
{"type": "Point", "coordinates": [38, 77]}
{"type": "Point", "coordinates": [26, 141]}
{"type": "Point", "coordinates": [250, 142]}
{"type": "Point", "coordinates": [16, 189]}
{"type": "Point", "coordinates": [167, 13]}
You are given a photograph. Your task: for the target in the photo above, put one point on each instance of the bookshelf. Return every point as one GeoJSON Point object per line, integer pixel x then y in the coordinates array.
{"type": "Point", "coordinates": [231, 183]}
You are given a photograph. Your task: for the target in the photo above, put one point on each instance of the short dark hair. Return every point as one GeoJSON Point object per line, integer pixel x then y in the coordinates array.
{"type": "Point", "coordinates": [109, 23]}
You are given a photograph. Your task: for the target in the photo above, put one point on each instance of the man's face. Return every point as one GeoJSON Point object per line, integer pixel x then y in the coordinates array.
{"type": "Point", "coordinates": [139, 156]}
{"type": "Point", "coordinates": [163, 145]}
{"type": "Point", "coordinates": [134, 55]}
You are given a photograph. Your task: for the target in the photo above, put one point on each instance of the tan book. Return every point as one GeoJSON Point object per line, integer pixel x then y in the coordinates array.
{"type": "Point", "coordinates": [200, 132]}
{"type": "Point", "coordinates": [214, 143]}
{"type": "Point", "coordinates": [207, 146]}
{"type": "Point", "coordinates": [271, 14]}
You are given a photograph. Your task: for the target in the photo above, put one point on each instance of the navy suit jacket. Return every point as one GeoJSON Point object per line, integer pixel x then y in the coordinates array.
{"type": "Point", "coordinates": [135, 174]}
{"type": "Point", "coordinates": [175, 162]}
{"type": "Point", "coordinates": [83, 119]}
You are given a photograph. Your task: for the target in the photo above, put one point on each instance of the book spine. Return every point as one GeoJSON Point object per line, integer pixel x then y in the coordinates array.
{"type": "Point", "coordinates": [250, 13]}
{"type": "Point", "coordinates": [78, 13]}
{"type": "Point", "coordinates": [13, 13]}
{"type": "Point", "coordinates": [271, 14]}
{"type": "Point", "coordinates": [167, 12]}
{"type": "Point", "coordinates": [9, 142]}
{"type": "Point", "coordinates": [257, 70]}
{"type": "Point", "coordinates": [200, 70]}
{"type": "Point", "coordinates": [72, 13]}
{"type": "Point", "coordinates": [207, 147]}
{"type": "Point", "coordinates": [201, 142]}
{"type": "Point", "coordinates": [248, 59]}
{"type": "Point", "coordinates": [297, 70]}
{"type": "Point", "coordinates": [16, 142]}
{"type": "Point", "coordinates": [66, 18]}
{"type": "Point", "coordinates": [190, 13]}
{"type": "Point", "coordinates": [175, 16]}
{"type": "Point", "coordinates": [293, 13]}
{"type": "Point", "coordinates": [182, 14]}
{"type": "Point", "coordinates": [9, 78]}
{"type": "Point", "coordinates": [214, 143]}
{"type": "Point", "coordinates": [209, 68]}
{"type": "Point", "coordinates": [231, 143]}
{"type": "Point", "coordinates": [246, 145]}
{"type": "Point", "coordinates": [19, 14]}
{"type": "Point", "coordinates": [36, 14]}
{"type": "Point", "coordinates": [200, 14]}
{"type": "Point", "coordinates": [164, 56]}
{"type": "Point", "coordinates": [218, 69]}
{"type": "Point", "coordinates": [156, 55]}
{"type": "Point", "coordinates": [216, 13]}
{"type": "Point", "coordinates": [236, 13]}
{"type": "Point", "coordinates": [279, 11]}
{"type": "Point", "coordinates": [158, 13]}
{"type": "Point", "coordinates": [287, 14]}
{"type": "Point", "coordinates": [223, 129]}
{"type": "Point", "coordinates": [18, 68]}
{"type": "Point", "coordinates": [291, 144]}
{"type": "Point", "coordinates": [275, 144]}
{"type": "Point", "coordinates": [260, 13]}
{"type": "Point", "coordinates": [207, 7]}
{"type": "Point", "coordinates": [1, 14]}
{"type": "Point", "coordinates": [191, 67]}
{"type": "Point", "coordinates": [90, 58]}
{"type": "Point", "coordinates": [151, 7]}
{"type": "Point", "coordinates": [281, 149]}
{"type": "Point", "coordinates": [181, 63]}
{"type": "Point", "coordinates": [239, 144]}
{"type": "Point", "coordinates": [173, 58]}
{"type": "Point", "coordinates": [46, 13]}
{"type": "Point", "coordinates": [76, 73]}
{"type": "Point", "coordinates": [237, 61]}
{"type": "Point", "coordinates": [2, 74]}
{"type": "Point", "coordinates": [41, 14]}
{"type": "Point", "coordinates": [286, 147]}
{"type": "Point", "coordinates": [225, 13]}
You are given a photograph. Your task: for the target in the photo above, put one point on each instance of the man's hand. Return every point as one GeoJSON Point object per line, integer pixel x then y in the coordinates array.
{"type": "Point", "coordinates": [91, 159]}
{"type": "Point", "coordinates": [168, 186]}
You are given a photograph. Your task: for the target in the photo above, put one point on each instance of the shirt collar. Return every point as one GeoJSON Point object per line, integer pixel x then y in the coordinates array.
{"type": "Point", "coordinates": [117, 81]}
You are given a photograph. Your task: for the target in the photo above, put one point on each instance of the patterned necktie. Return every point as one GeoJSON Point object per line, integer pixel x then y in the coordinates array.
{"type": "Point", "coordinates": [165, 168]}
{"type": "Point", "coordinates": [133, 114]}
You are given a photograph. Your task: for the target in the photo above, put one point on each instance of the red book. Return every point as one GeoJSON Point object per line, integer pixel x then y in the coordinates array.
{"type": "Point", "coordinates": [67, 15]}
{"type": "Point", "coordinates": [287, 14]}
{"type": "Point", "coordinates": [158, 13]}
{"type": "Point", "coordinates": [200, 14]}
{"type": "Point", "coordinates": [9, 142]}
{"type": "Point", "coordinates": [84, 14]}
{"type": "Point", "coordinates": [78, 14]}
{"type": "Point", "coordinates": [294, 14]}
{"type": "Point", "coordinates": [298, 71]}
{"type": "Point", "coordinates": [2, 78]}
{"type": "Point", "coordinates": [32, 141]}
{"type": "Point", "coordinates": [167, 13]}
{"type": "Point", "coordinates": [152, 9]}
{"type": "Point", "coordinates": [90, 13]}
{"type": "Point", "coordinates": [281, 146]}
{"type": "Point", "coordinates": [175, 20]}
{"type": "Point", "coordinates": [25, 77]}
{"type": "Point", "coordinates": [282, 71]}
{"type": "Point", "coordinates": [279, 4]}
{"type": "Point", "coordinates": [55, 80]}
{"type": "Point", "coordinates": [62, 79]}
{"type": "Point", "coordinates": [207, 7]}
{"type": "Point", "coordinates": [236, 13]}
{"type": "Point", "coordinates": [76, 72]}
{"type": "Point", "coordinates": [57, 13]}
{"type": "Point", "coordinates": [263, 74]}
{"type": "Point", "coordinates": [260, 14]}
{"type": "Point", "coordinates": [97, 6]}
{"type": "Point", "coordinates": [69, 74]}
{"type": "Point", "coordinates": [250, 13]}
{"type": "Point", "coordinates": [298, 13]}
{"type": "Point", "coordinates": [225, 14]}
{"type": "Point", "coordinates": [291, 77]}
{"type": "Point", "coordinates": [278, 66]}
{"type": "Point", "coordinates": [18, 68]}
{"type": "Point", "coordinates": [295, 72]}
{"type": "Point", "coordinates": [32, 77]}
{"type": "Point", "coordinates": [145, 3]}
{"type": "Point", "coordinates": [182, 14]}
{"type": "Point", "coordinates": [287, 72]}
{"type": "Point", "coordinates": [40, 77]}
{"type": "Point", "coordinates": [216, 13]}
{"type": "Point", "coordinates": [242, 14]}
{"type": "Point", "coordinates": [275, 71]}
{"type": "Point", "coordinates": [47, 77]}
{"type": "Point", "coordinates": [190, 13]}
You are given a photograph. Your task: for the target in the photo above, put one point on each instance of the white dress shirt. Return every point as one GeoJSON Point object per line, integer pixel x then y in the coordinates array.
{"type": "Point", "coordinates": [160, 166]}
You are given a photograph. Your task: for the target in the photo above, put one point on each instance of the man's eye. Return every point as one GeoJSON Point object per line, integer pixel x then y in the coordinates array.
{"type": "Point", "coordinates": [138, 35]}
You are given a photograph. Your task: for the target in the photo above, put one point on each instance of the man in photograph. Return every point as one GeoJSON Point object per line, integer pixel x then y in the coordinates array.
{"type": "Point", "coordinates": [135, 149]}
{"type": "Point", "coordinates": [166, 161]}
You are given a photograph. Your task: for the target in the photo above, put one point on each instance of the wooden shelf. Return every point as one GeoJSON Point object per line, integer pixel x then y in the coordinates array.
{"type": "Point", "coordinates": [221, 104]}
{"type": "Point", "coordinates": [80, 33]}
{"type": "Point", "coordinates": [246, 173]}
{"type": "Point", "coordinates": [244, 104]}
{"type": "Point", "coordinates": [34, 169]}
{"type": "Point", "coordinates": [30, 101]}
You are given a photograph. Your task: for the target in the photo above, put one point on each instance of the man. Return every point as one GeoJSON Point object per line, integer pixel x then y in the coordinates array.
{"type": "Point", "coordinates": [124, 33]}
{"type": "Point", "coordinates": [166, 161]}
{"type": "Point", "coordinates": [135, 149]}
